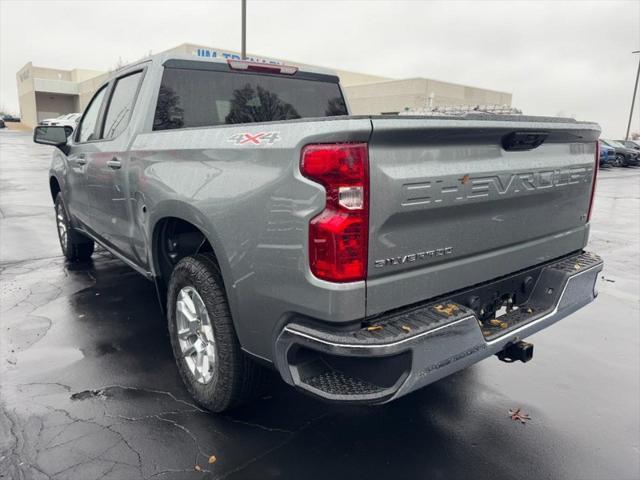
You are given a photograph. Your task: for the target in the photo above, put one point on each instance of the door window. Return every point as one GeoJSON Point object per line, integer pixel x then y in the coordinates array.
{"type": "Point", "coordinates": [121, 105]}
{"type": "Point", "coordinates": [87, 129]}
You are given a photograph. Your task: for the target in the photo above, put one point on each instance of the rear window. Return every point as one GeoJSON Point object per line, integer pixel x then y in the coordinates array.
{"type": "Point", "coordinates": [201, 98]}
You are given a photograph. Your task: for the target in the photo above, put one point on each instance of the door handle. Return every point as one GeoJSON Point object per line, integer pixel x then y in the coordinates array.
{"type": "Point", "coordinates": [114, 163]}
{"type": "Point", "coordinates": [81, 160]}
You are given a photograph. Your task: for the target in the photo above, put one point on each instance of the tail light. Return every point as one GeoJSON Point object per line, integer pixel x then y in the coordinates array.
{"type": "Point", "coordinates": [339, 235]}
{"type": "Point", "coordinates": [595, 178]}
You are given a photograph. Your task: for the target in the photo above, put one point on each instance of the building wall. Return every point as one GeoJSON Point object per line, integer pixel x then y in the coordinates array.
{"type": "Point", "coordinates": [87, 88]}
{"type": "Point", "coordinates": [26, 95]}
{"type": "Point", "coordinates": [81, 74]}
{"type": "Point", "coordinates": [53, 105]}
{"type": "Point", "coordinates": [28, 112]}
{"type": "Point", "coordinates": [397, 95]}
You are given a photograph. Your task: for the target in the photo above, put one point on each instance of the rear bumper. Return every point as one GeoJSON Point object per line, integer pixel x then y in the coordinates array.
{"type": "Point", "coordinates": [405, 350]}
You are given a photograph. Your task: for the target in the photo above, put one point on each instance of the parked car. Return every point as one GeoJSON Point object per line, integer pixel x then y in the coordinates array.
{"type": "Point", "coordinates": [68, 119]}
{"type": "Point", "coordinates": [2, 125]}
{"type": "Point", "coordinates": [607, 154]}
{"type": "Point", "coordinates": [625, 156]}
{"type": "Point", "coordinates": [633, 144]}
{"type": "Point", "coordinates": [10, 118]}
{"type": "Point", "coordinates": [361, 257]}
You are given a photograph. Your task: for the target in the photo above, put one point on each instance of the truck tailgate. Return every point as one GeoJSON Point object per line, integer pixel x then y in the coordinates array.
{"type": "Point", "coordinates": [453, 205]}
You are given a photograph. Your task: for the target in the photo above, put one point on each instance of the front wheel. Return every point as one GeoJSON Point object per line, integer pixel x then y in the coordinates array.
{"type": "Point", "coordinates": [619, 161]}
{"type": "Point", "coordinates": [213, 367]}
{"type": "Point", "coordinates": [75, 247]}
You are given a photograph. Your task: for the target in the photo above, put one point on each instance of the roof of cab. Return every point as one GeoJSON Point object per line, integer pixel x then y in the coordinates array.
{"type": "Point", "coordinates": [163, 57]}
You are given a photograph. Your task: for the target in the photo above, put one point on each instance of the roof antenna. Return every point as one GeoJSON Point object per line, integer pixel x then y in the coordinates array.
{"type": "Point", "coordinates": [243, 53]}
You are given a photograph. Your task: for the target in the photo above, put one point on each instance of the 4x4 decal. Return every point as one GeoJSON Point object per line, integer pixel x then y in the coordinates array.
{"type": "Point", "coordinates": [254, 138]}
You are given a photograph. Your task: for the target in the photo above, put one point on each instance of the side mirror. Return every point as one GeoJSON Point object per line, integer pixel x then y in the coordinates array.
{"type": "Point", "coordinates": [55, 136]}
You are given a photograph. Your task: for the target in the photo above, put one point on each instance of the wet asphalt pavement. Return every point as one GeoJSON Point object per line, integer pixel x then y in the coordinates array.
{"type": "Point", "coordinates": [89, 388]}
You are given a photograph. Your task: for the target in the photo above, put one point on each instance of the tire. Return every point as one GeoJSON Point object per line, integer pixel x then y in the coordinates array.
{"type": "Point", "coordinates": [75, 246]}
{"type": "Point", "coordinates": [619, 161]}
{"type": "Point", "coordinates": [231, 378]}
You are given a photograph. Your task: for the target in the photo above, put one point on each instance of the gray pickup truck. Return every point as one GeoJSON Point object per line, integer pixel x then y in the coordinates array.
{"type": "Point", "coordinates": [362, 257]}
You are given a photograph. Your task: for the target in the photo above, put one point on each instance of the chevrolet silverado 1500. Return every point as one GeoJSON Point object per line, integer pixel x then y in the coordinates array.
{"type": "Point", "coordinates": [362, 257]}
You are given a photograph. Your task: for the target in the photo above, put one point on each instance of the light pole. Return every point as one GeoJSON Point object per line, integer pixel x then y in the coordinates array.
{"type": "Point", "coordinates": [244, 30]}
{"type": "Point", "coordinates": [633, 99]}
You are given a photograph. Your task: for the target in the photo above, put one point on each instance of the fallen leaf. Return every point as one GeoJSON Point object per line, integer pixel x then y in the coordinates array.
{"type": "Point", "coordinates": [576, 266]}
{"type": "Point", "coordinates": [529, 310]}
{"type": "Point", "coordinates": [498, 323]}
{"type": "Point", "coordinates": [374, 328]}
{"type": "Point", "coordinates": [486, 333]}
{"type": "Point", "coordinates": [197, 468]}
{"type": "Point", "coordinates": [518, 415]}
{"type": "Point", "coordinates": [406, 328]}
{"type": "Point", "coordinates": [448, 310]}
{"type": "Point", "coordinates": [212, 459]}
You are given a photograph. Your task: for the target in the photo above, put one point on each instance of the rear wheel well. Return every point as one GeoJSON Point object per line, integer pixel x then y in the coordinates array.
{"type": "Point", "coordinates": [173, 240]}
{"type": "Point", "coordinates": [54, 186]}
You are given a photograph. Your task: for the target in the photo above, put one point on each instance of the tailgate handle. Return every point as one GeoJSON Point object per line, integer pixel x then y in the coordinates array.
{"type": "Point", "coordinates": [522, 141]}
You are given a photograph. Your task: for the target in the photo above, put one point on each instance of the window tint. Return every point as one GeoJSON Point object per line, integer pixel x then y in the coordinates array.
{"type": "Point", "coordinates": [121, 105]}
{"type": "Point", "coordinates": [86, 130]}
{"type": "Point", "coordinates": [198, 98]}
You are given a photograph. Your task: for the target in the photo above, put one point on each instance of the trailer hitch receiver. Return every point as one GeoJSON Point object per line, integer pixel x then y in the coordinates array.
{"type": "Point", "coordinates": [522, 351]}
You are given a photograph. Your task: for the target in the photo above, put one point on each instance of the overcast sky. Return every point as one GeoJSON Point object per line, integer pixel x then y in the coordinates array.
{"type": "Point", "coordinates": [557, 58]}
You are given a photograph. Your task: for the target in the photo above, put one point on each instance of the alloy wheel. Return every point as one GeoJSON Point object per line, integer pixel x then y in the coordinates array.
{"type": "Point", "coordinates": [61, 221]}
{"type": "Point", "coordinates": [195, 334]}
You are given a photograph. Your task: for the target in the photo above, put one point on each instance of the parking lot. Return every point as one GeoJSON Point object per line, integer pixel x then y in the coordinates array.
{"type": "Point", "coordinates": [89, 388]}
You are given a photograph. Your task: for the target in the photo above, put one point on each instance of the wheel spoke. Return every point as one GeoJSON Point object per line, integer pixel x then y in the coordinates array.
{"type": "Point", "coordinates": [190, 350]}
{"type": "Point", "coordinates": [205, 364]}
{"type": "Point", "coordinates": [211, 350]}
{"type": "Point", "coordinates": [200, 356]}
{"type": "Point", "coordinates": [186, 313]}
{"type": "Point", "coordinates": [185, 333]}
{"type": "Point", "coordinates": [207, 332]}
{"type": "Point", "coordinates": [188, 302]}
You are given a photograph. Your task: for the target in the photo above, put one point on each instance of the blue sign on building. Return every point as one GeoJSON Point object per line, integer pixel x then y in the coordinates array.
{"type": "Point", "coordinates": [210, 53]}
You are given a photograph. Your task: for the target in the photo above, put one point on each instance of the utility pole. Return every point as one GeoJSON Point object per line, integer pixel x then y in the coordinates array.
{"type": "Point", "coordinates": [633, 99]}
{"type": "Point", "coordinates": [244, 29]}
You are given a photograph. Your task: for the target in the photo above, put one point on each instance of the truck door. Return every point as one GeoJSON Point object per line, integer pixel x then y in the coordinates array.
{"type": "Point", "coordinates": [107, 172]}
{"type": "Point", "coordinates": [80, 151]}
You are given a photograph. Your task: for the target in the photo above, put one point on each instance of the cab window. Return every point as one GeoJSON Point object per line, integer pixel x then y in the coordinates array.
{"type": "Point", "coordinates": [121, 105]}
{"type": "Point", "coordinates": [87, 130]}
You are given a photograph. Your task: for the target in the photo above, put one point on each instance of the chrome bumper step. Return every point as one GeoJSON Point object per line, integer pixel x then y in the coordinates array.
{"type": "Point", "coordinates": [398, 352]}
